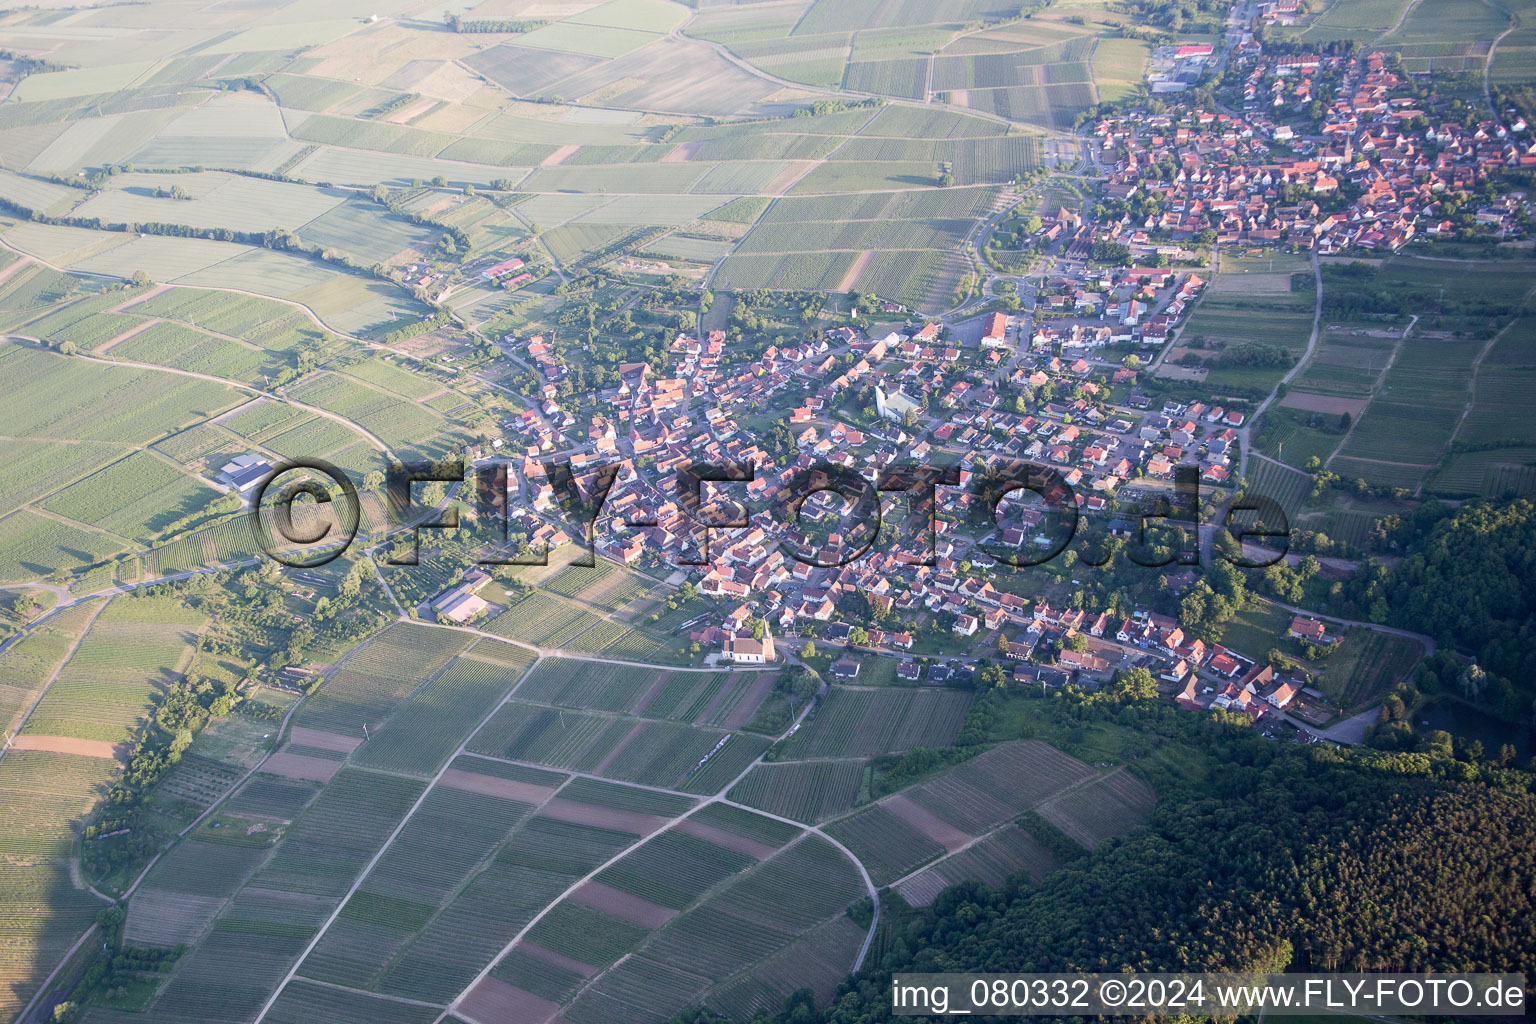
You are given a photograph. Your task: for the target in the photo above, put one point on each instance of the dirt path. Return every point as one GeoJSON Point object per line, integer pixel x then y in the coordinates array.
{"type": "Point", "coordinates": [858, 266]}
{"type": "Point", "coordinates": [21, 262]}
{"type": "Point", "coordinates": [130, 332]}
{"type": "Point", "coordinates": [159, 289]}
{"type": "Point", "coordinates": [1488, 69]}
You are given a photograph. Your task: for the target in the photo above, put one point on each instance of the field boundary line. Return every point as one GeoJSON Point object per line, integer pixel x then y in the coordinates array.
{"type": "Point", "coordinates": [373, 995]}
{"type": "Point", "coordinates": [719, 798]}
{"type": "Point", "coordinates": [229, 383]}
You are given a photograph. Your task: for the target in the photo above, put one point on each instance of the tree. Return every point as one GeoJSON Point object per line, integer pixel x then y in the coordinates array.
{"type": "Point", "coordinates": [141, 279]}
{"type": "Point", "coordinates": [809, 650]}
{"type": "Point", "coordinates": [1075, 642]}
{"type": "Point", "coordinates": [1134, 684]}
{"type": "Point", "coordinates": [1473, 680]}
{"type": "Point", "coordinates": [68, 348]}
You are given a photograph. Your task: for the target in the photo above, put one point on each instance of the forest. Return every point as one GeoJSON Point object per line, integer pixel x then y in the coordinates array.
{"type": "Point", "coordinates": [1467, 578]}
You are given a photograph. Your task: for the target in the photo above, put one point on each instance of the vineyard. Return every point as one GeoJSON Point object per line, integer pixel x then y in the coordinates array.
{"type": "Point", "coordinates": [135, 647]}
{"type": "Point", "coordinates": [993, 861]}
{"type": "Point", "coordinates": [429, 727]}
{"type": "Point", "coordinates": [810, 792]}
{"type": "Point", "coordinates": [1106, 807]}
{"type": "Point", "coordinates": [861, 723]}
{"type": "Point", "coordinates": [378, 675]}
{"type": "Point", "coordinates": [541, 620]}
{"type": "Point", "coordinates": [584, 684]}
{"type": "Point", "coordinates": [887, 844]}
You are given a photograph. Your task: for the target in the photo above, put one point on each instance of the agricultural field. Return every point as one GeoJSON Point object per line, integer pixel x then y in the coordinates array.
{"type": "Point", "coordinates": [135, 498]}
{"type": "Point", "coordinates": [809, 791]}
{"type": "Point", "coordinates": [1235, 313]}
{"type": "Point", "coordinates": [375, 677]}
{"type": "Point", "coordinates": [996, 858]}
{"type": "Point", "coordinates": [861, 723]}
{"type": "Point", "coordinates": [1102, 809]}
{"type": "Point", "coordinates": [924, 226]}
{"type": "Point", "coordinates": [132, 650]}
{"type": "Point", "coordinates": [1366, 666]}
{"type": "Point", "coordinates": [904, 832]}
{"type": "Point", "coordinates": [542, 620]}
{"type": "Point", "coordinates": [289, 232]}
{"type": "Point", "coordinates": [1285, 486]}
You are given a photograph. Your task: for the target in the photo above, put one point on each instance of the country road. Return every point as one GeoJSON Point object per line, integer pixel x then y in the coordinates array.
{"type": "Point", "coordinates": [1428, 642]}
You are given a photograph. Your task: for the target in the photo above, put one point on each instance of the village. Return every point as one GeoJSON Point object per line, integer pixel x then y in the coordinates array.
{"type": "Point", "coordinates": [1330, 154]}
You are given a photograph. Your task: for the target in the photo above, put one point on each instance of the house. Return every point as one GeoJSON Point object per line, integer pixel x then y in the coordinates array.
{"type": "Point", "coordinates": [1283, 694]}
{"type": "Point", "coordinates": [1225, 665]}
{"type": "Point", "coordinates": [966, 625]}
{"type": "Point", "coordinates": [1083, 661]}
{"type": "Point", "coordinates": [846, 668]}
{"type": "Point", "coordinates": [1045, 675]}
{"type": "Point", "coordinates": [908, 671]}
{"type": "Point", "coordinates": [1311, 631]}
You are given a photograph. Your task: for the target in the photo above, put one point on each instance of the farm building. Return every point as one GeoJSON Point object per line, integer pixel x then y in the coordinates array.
{"type": "Point", "coordinates": [462, 603]}
{"type": "Point", "coordinates": [243, 472]}
{"type": "Point", "coordinates": [1311, 630]}
{"type": "Point", "coordinates": [505, 267]}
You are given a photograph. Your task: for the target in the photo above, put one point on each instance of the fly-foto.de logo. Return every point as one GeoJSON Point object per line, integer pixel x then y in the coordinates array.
{"type": "Point", "coordinates": [821, 514]}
